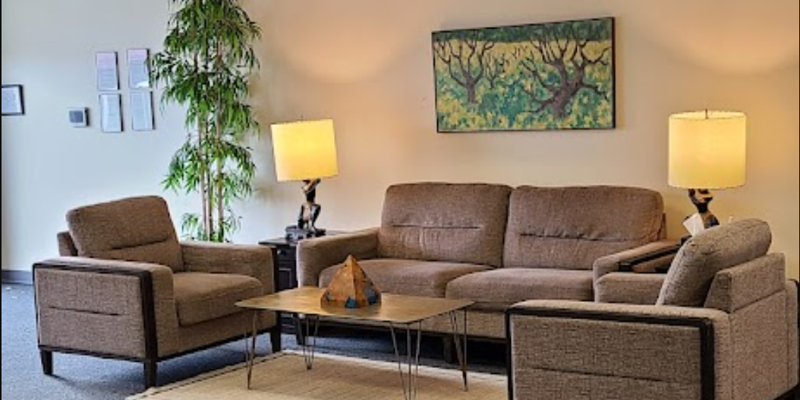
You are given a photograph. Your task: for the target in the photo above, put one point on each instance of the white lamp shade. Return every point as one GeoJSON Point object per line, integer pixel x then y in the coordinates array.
{"type": "Point", "coordinates": [708, 150]}
{"type": "Point", "coordinates": [305, 150]}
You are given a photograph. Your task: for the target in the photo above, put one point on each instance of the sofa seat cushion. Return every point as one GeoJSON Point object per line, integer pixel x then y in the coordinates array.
{"type": "Point", "coordinates": [407, 277]}
{"type": "Point", "coordinates": [499, 289]}
{"type": "Point", "coordinates": [205, 297]}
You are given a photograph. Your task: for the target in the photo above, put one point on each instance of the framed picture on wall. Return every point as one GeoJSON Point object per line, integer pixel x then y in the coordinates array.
{"type": "Point", "coordinates": [542, 77]}
{"type": "Point", "coordinates": [13, 101]}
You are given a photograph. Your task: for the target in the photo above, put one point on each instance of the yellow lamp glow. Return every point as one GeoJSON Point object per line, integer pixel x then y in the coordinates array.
{"type": "Point", "coordinates": [305, 151]}
{"type": "Point", "coordinates": [708, 150]}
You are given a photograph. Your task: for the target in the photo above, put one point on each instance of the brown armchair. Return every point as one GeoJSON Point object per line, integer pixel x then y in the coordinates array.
{"type": "Point", "coordinates": [125, 288]}
{"type": "Point", "coordinates": [724, 326]}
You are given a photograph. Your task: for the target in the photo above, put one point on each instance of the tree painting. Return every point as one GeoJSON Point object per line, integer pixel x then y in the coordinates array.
{"type": "Point", "coordinates": [542, 77]}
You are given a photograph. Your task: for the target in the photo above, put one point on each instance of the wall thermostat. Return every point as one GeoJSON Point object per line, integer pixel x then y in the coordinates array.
{"type": "Point", "coordinates": [79, 117]}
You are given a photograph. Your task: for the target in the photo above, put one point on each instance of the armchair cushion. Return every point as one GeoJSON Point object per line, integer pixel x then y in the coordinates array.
{"type": "Point", "coordinates": [224, 258]}
{"type": "Point", "coordinates": [205, 297]}
{"type": "Point", "coordinates": [499, 289]}
{"type": "Point", "coordinates": [408, 277]}
{"type": "Point", "coordinates": [136, 229]}
{"type": "Point", "coordinates": [629, 288]}
{"type": "Point", "coordinates": [704, 256]}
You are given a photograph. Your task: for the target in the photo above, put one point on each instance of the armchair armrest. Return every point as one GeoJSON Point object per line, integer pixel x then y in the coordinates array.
{"type": "Point", "coordinates": [106, 307]}
{"type": "Point", "coordinates": [640, 351]}
{"type": "Point", "coordinates": [648, 258]}
{"type": "Point", "coordinates": [218, 258]}
{"type": "Point", "coordinates": [315, 255]}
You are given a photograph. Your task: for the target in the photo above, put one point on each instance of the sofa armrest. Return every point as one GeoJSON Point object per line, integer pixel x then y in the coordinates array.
{"type": "Point", "coordinates": [106, 307]}
{"type": "Point", "coordinates": [642, 351]}
{"type": "Point", "coordinates": [223, 258]}
{"type": "Point", "coordinates": [315, 255]}
{"type": "Point", "coordinates": [624, 288]}
{"type": "Point", "coordinates": [648, 258]}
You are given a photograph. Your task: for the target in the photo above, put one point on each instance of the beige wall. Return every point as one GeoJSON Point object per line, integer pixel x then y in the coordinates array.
{"type": "Point", "coordinates": [367, 64]}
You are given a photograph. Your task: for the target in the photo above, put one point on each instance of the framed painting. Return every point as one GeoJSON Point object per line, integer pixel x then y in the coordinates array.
{"type": "Point", "coordinates": [543, 77]}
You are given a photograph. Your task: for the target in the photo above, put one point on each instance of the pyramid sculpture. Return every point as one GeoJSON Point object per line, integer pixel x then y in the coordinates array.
{"type": "Point", "coordinates": [351, 288]}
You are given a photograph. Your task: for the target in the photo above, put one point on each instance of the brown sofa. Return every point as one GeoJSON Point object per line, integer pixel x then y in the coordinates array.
{"type": "Point", "coordinates": [495, 245]}
{"type": "Point", "coordinates": [125, 288]}
{"type": "Point", "coordinates": [724, 326]}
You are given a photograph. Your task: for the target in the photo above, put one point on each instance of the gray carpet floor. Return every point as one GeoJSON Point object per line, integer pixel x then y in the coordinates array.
{"type": "Point", "coordinates": [95, 379]}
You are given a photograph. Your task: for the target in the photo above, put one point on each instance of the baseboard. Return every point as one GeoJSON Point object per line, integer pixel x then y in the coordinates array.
{"type": "Point", "coordinates": [17, 277]}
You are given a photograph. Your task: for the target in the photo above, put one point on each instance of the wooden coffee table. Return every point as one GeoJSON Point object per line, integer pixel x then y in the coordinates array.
{"type": "Point", "coordinates": [397, 312]}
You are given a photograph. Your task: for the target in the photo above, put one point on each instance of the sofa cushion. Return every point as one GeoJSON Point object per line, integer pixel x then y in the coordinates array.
{"type": "Point", "coordinates": [707, 254]}
{"type": "Point", "coordinates": [203, 297]}
{"type": "Point", "coordinates": [499, 289]}
{"type": "Point", "coordinates": [136, 229]}
{"type": "Point", "coordinates": [445, 222]}
{"type": "Point", "coordinates": [409, 277]}
{"type": "Point", "coordinates": [570, 228]}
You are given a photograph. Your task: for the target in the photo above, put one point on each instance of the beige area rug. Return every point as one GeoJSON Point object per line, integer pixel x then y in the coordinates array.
{"type": "Point", "coordinates": [283, 377]}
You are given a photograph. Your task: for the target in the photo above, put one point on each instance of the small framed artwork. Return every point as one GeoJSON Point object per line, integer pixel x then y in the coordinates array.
{"type": "Point", "coordinates": [13, 101]}
{"type": "Point", "coordinates": [541, 77]}
{"type": "Point", "coordinates": [139, 69]}
{"type": "Point", "coordinates": [111, 112]}
{"type": "Point", "coordinates": [107, 71]}
{"type": "Point", "coordinates": [141, 107]}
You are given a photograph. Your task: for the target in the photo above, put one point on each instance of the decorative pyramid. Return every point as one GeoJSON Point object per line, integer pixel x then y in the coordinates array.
{"type": "Point", "coordinates": [351, 288]}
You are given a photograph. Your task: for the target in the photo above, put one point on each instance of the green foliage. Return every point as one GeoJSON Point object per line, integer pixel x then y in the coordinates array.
{"type": "Point", "coordinates": [206, 64]}
{"type": "Point", "coordinates": [538, 77]}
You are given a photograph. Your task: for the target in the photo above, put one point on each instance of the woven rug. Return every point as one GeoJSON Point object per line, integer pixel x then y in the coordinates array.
{"type": "Point", "coordinates": [284, 377]}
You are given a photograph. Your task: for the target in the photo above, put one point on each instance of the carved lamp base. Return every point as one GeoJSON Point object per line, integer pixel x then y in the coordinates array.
{"type": "Point", "coordinates": [295, 234]}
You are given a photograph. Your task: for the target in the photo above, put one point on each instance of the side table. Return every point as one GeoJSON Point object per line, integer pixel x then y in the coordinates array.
{"type": "Point", "coordinates": [284, 254]}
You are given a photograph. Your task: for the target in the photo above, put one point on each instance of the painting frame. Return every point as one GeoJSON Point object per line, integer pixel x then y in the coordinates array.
{"type": "Point", "coordinates": [593, 54]}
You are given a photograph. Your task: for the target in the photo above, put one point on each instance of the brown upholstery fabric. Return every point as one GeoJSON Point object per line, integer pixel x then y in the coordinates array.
{"type": "Point", "coordinates": [759, 348]}
{"type": "Point", "coordinates": [558, 358]}
{"type": "Point", "coordinates": [102, 313]}
{"type": "Point", "coordinates": [739, 287]}
{"type": "Point", "coordinates": [705, 255]}
{"type": "Point", "coordinates": [792, 328]}
{"type": "Point", "coordinates": [499, 289]}
{"type": "Point", "coordinates": [135, 229]}
{"type": "Point", "coordinates": [629, 288]}
{"type": "Point", "coordinates": [205, 297]}
{"type": "Point", "coordinates": [315, 255]}
{"type": "Point", "coordinates": [445, 222]}
{"type": "Point", "coordinates": [222, 329]}
{"type": "Point", "coordinates": [409, 277]}
{"type": "Point", "coordinates": [66, 247]}
{"type": "Point", "coordinates": [570, 228]}
{"type": "Point", "coordinates": [609, 264]}
{"type": "Point", "coordinates": [216, 258]}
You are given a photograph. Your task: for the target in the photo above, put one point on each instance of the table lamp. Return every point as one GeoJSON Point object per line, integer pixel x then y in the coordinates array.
{"type": "Point", "coordinates": [305, 152]}
{"type": "Point", "coordinates": [707, 151]}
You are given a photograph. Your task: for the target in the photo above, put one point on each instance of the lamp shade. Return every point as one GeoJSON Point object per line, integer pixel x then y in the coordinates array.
{"type": "Point", "coordinates": [305, 150]}
{"type": "Point", "coordinates": [708, 150]}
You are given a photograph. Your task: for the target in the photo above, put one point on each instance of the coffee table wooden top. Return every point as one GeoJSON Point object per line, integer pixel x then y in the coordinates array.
{"type": "Point", "coordinates": [394, 309]}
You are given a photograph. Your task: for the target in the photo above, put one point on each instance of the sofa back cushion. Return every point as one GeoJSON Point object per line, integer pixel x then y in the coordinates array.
{"type": "Point", "coordinates": [136, 229]}
{"type": "Point", "coordinates": [570, 228]}
{"type": "Point", "coordinates": [445, 222]}
{"type": "Point", "coordinates": [706, 255]}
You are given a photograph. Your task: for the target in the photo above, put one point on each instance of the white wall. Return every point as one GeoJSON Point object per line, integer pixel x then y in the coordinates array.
{"type": "Point", "coordinates": [367, 64]}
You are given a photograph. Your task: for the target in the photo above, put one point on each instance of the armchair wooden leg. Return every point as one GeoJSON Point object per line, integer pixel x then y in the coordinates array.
{"type": "Point", "coordinates": [275, 339]}
{"type": "Point", "coordinates": [47, 362]}
{"type": "Point", "coordinates": [150, 374]}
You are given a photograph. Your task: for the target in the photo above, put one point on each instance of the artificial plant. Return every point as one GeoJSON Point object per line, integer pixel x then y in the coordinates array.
{"type": "Point", "coordinates": [205, 66]}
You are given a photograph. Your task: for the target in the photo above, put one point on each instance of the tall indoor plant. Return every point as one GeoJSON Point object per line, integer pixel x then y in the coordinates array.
{"type": "Point", "coordinates": [206, 64]}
